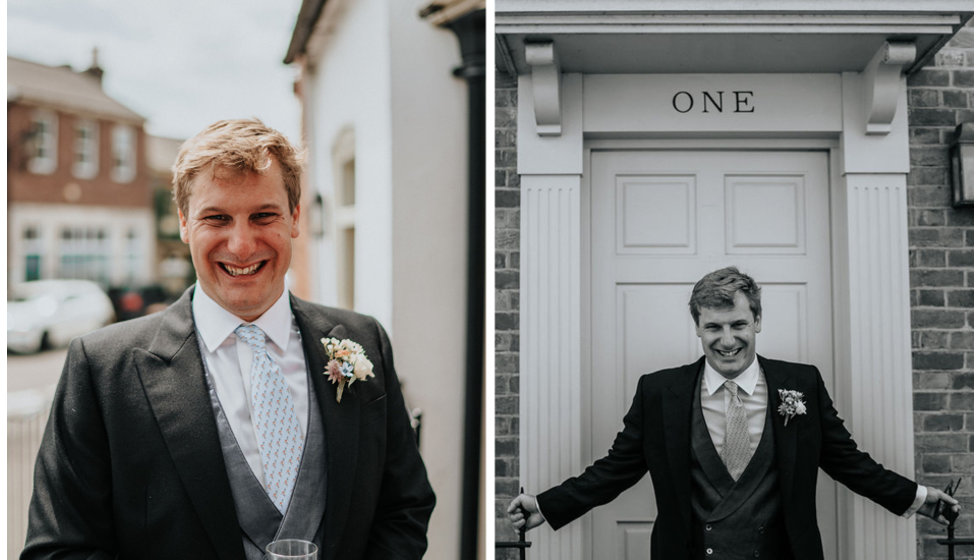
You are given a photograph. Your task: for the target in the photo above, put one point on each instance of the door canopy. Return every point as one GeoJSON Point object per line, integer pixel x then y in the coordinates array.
{"type": "Point", "coordinates": [722, 36]}
{"type": "Point", "coordinates": [882, 39]}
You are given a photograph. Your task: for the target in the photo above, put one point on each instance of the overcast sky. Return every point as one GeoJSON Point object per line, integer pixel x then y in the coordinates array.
{"type": "Point", "coordinates": [182, 64]}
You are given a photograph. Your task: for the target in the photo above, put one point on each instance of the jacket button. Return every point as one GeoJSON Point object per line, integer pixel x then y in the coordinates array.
{"type": "Point", "coordinates": [707, 527]}
{"type": "Point", "coordinates": [762, 529]}
{"type": "Point", "coordinates": [710, 551]}
{"type": "Point", "coordinates": [755, 553]}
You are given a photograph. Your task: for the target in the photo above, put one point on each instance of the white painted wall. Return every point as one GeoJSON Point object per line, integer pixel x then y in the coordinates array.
{"type": "Point", "coordinates": [429, 159]}
{"type": "Point", "coordinates": [387, 74]}
{"type": "Point", "coordinates": [350, 88]}
{"type": "Point", "coordinates": [51, 218]}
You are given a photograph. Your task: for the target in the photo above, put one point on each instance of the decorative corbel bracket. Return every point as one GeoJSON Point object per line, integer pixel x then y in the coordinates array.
{"type": "Point", "coordinates": [545, 86]}
{"type": "Point", "coordinates": [882, 83]}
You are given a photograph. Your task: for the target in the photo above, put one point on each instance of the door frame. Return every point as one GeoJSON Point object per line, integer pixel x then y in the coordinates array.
{"type": "Point", "coordinates": [872, 311]}
{"type": "Point", "coordinates": [828, 146]}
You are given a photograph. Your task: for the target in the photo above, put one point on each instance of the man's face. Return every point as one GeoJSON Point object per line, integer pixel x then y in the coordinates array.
{"type": "Point", "coordinates": [240, 230]}
{"type": "Point", "coordinates": [728, 336]}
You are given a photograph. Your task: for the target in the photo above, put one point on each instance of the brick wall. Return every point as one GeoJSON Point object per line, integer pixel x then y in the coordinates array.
{"type": "Point", "coordinates": [941, 269]}
{"type": "Point", "coordinates": [507, 224]}
{"type": "Point", "coordinates": [101, 190]}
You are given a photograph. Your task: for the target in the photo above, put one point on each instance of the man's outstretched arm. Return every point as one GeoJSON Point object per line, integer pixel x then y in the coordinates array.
{"type": "Point", "coordinates": [601, 482]}
{"type": "Point", "coordinates": [845, 462]}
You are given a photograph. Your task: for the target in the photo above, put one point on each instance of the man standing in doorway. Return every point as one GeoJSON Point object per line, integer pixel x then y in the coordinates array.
{"type": "Point", "coordinates": [240, 414]}
{"type": "Point", "coordinates": [732, 443]}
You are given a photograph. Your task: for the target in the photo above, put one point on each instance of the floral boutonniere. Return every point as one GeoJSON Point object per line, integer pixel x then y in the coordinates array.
{"type": "Point", "coordinates": [791, 404]}
{"type": "Point", "coordinates": [346, 363]}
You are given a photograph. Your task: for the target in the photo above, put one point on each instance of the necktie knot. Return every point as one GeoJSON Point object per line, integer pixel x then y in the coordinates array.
{"type": "Point", "coordinates": [251, 335]}
{"type": "Point", "coordinates": [731, 387]}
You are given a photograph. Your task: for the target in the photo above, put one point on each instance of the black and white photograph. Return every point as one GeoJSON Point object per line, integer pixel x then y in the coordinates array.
{"type": "Point", "coordinates": [734, 280]}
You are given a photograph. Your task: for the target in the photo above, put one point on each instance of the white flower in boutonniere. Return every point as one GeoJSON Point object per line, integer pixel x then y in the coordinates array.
{"type": "Point", "coordinates": [791, 405]}
{"type": "Point", "coordinates": [346, 363]}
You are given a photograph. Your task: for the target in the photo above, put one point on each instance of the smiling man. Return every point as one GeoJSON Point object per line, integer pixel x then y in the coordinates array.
{"type": "Point", "coordinates": [732, 443]}
{"type": "Point", "coordinates": [240, 414]}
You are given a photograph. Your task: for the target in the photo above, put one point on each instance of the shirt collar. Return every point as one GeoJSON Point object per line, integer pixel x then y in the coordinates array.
{"type": "Point", "coordinates": [746, 380]}
{"type": "Point", "coordinates": [216, 324]}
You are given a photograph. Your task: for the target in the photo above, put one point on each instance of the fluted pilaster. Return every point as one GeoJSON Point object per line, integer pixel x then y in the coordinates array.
{"type": "Point", "coordinates": [550, 364]}
{"type": "Point", "coordinates": [879, 401]}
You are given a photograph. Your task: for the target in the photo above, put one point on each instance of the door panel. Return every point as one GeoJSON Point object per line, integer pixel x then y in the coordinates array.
{"type": "Point", "coordinates": [660, 220]}
{"type": "Point", "coordinates": [764, 214]}
{"type": "Point", "coordinates": [655, 214]}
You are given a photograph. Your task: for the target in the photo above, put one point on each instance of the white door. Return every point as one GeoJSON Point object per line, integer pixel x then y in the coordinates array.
{"type": "Point", "coordinates": [660, 220]}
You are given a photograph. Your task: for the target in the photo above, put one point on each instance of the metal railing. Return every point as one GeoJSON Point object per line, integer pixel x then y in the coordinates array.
{"type": "Point", "coordinates": [521, 544]}
{"type": "Point", "coordinates": [27, 413]}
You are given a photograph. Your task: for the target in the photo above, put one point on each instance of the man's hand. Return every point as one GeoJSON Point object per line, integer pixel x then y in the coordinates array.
{"type": "Point", "coordinates": [934, 496]}
{"type": "Point", "coordinates": [530, 505]}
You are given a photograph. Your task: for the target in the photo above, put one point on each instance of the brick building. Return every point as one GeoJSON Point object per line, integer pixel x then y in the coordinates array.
{"type": "Point", "coordinates": [78, 195]}
{"type": "Point", "coordinates": [900, 251]}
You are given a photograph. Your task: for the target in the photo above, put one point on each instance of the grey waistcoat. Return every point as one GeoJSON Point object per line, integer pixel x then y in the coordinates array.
{"type": "Point", "coordinates": [260, 521]}
{"type": "Point", "coordinates": [736, 520]}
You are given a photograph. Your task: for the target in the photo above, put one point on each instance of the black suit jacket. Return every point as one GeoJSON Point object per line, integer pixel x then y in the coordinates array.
{"type": "Point", "coordinates": [656, 438]}
{"type": "Point", "coordinates": [130, 465]}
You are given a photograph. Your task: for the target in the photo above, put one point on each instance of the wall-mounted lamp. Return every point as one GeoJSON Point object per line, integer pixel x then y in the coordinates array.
{"type": "Point", "coordinates": [961, 165]}
{"type": "Point", "coordinates": [317, 221]}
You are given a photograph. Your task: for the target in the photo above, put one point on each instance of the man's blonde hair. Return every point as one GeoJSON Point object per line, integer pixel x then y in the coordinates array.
{"type": "Point", "coordinates": [239, 145]}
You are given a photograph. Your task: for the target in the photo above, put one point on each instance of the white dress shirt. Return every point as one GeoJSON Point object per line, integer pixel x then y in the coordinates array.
{"type": "Point", "coordinates": [714, 403]}
{"type": "Point", "coordinates": [228, 361]}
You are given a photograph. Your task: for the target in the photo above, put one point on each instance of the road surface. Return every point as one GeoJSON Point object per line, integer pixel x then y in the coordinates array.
{"type": "Point", "coordinates": [34, 371]}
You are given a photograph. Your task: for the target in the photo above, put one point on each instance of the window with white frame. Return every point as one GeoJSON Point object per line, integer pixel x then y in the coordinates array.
{"type": "Point", "coordinates": [133, 256]}
{"type": "Point", "coordinates": [123, 153]}
{"type": "Point", "coordinates": [84, 254]}
{"type": "Point", "coordinates": [43, 145]}
{"type": "Point", "coordinates": [345, 189]}
{"type": "Point", "coordinates": [86, 163]}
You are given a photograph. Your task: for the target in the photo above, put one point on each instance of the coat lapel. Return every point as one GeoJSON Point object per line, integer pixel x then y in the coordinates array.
{"type": "Point", "coordinates": [340, 420]}
{"type": "Point", "coordinates": [677, 404]}
{"type": "Point", "coordinates": [172, 375]}
{"type": "Point", "coordinates": [785, 434]}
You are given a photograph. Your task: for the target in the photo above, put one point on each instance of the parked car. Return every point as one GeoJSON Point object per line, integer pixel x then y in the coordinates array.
{"type": "Point", "coordinates": [49, 313]}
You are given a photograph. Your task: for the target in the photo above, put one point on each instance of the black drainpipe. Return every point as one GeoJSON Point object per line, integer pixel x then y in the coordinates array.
{"type": "Point", "coordinates": [470, 30]}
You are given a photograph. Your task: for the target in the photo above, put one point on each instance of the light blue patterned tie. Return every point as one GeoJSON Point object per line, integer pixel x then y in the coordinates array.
{"type": "Point", "coordinates": [274, 420]}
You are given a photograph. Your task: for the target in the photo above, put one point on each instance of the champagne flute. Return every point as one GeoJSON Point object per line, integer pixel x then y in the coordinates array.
{"type": "Point", "coordinates": [291, 549]}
